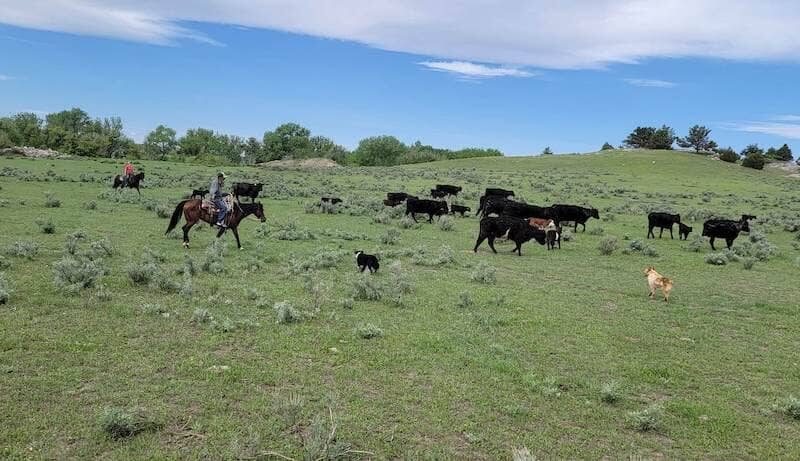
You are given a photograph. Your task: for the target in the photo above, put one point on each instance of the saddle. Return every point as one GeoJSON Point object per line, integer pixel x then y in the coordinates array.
{"type": "Point", "coordinates": [208, 205]}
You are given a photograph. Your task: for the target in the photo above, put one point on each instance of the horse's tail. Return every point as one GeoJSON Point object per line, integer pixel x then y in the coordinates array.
{"type": "Point", "coordinates": [176, 216]}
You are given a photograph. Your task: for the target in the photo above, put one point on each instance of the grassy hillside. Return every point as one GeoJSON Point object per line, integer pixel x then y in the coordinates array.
{"type": "Point", "coordinates": [463, 369]}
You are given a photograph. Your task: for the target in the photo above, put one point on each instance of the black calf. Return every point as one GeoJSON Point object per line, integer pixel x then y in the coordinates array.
{"type": "Point", "coordinates": [517, 230]}
{"type": "Point", "coordinates": [430, 207]}
{"type": "Point", "coordinates": [460, 209]}
{"type": "Point", "coordinates": [726, 229]}
{"type": "Point", "coordinates": [662, 220]}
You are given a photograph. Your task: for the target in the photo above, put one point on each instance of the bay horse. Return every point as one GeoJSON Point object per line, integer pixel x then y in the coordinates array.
{"type": "Point", "coordinates": [133, 182]}
{"type": "Point", "coordinates": [193, 212]}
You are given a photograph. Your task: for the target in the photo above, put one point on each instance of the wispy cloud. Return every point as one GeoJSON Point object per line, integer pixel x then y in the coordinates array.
{"type": "Point", "coordinates": [533, 33]}
{"type": "Point", "coordinates": [786, 118]}
{"type": "Point", "coordinates": [650, 83]}
{"type": "Point", "coordinates": [471, 70]}
{"type": "Point", "coordinates": [783, 130]}
{"type": "Point", "coordinates": [4, 77]}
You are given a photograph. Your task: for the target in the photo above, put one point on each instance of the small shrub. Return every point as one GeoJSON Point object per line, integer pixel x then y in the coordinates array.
{"type": "Point", "coordinates": [446, 223]}
{"type": "Point", "coordinates": [650, 251]}
{"type": "Point", "coordinates": [163, 211]}
{"type": "Point", "coordinates": [347, 303]}
{"type": "Point", "coordinates": [100, 249]}
{"type": "Point", "coordinates": [608, 245]}
{"type": "Point", "coordinates": [102, 293]}
{"type": "Point", "coordinates": [484, 273]}
{"type": "Point", "coordinates": [464, 300]}
{"type": "Point", "coordinates": [597, 230]}
{"type": "Point", "coordinates": [610, 392]}
{"type": "Point", "coordinates": [696, 244]}
{"type": "Point", "coordinates": [120, 423]}
{"type": "Point", "coordinates": [290, 408]}
{"type": "Point", "coordinates": [286, 313]}
{"type": "Point", "coordinates": [792, 407]}
{"type": "Point", "coordinates": [407, 223]}
{"type": "Point", "coordinates": [291, 232]}
{"type": "Point", "coordinates": [73, 241]}
{"type": "Point", "coordinates": [648, 419]}
{"type": "Point", "coordinates": [165, 284]}
{"type": "Point", "coordinates": [368, 331]}
{"type": "Point", "coordinates": [251, 294]}
{"type": "Point", "coordinates": [365, 288]}
{"type": "Point", "coordinates": [141, 273]}
{"type": "Point", "coordinates": [4, 263]}
{"type": "Point", "coordinates": [201, 316]}
{"type": "Point", "coordinates": [748, 263]}
{"type": "Point", "coordinates": [214, 258]}
{"type": "Point", "coordinates": [382, 217]}
{"type": "Point", "coordinates": [23, 249]}
{"type": "Point", "coordinates": [391, 237]}
{"type": "Point", "coordinates": [90, 205]}
{"type": "Point", "coordinates": [46, 225]}
{"type": "Point", "coordinates": [5, 290]}
{"type": "Point", "coordinates": [152, 308]}
{"type": "Point", "coordinates": [73, 274]}
{"type": "Point", "coordinates": [50, 201]}
{"type": "Point", "coordinates": [716, 259]}
{"type": "Point", "coordinates": [422, 257]}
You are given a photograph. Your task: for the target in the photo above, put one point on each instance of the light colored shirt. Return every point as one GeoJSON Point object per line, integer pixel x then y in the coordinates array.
{"type": "Point", "coordinates": [215, 190]}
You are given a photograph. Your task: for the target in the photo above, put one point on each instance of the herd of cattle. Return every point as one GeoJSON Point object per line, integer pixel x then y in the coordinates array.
{"type": "Point", "coordinates": [506, 218]}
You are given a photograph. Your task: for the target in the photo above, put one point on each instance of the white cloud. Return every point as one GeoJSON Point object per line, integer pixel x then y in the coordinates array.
{"type": "Point", "coordinates": [648, 83]}
{"type": "Point", "coordinates": [535, 33]}
{"type": "Point", "coordinates": [471, 70]}
{"type": "Point", "coordinates": [783, 130]}
{"type": "Point", "coordinates": [786, 118]}
{"type": "Point", "coordinates": [4, 77]}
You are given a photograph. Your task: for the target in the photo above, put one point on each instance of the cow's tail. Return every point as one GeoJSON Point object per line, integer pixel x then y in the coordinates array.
{"type": "Point", "coordinates": [176, 216]}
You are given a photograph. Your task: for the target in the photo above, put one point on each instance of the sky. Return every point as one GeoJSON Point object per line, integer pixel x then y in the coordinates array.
{"type": "Point", "coordinates": [509, 74]}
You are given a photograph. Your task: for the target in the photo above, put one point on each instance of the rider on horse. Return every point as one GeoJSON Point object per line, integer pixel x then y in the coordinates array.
{"type": "Point", "coordinates": [217, 196]}
{"type": "Point", "coordinates": [127, 172]}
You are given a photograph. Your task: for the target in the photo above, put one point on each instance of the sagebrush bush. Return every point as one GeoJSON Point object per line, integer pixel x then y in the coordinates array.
{"type": "Point", "coordinates": [382, 217]}
{"type": "Point", "coordinates": [748, 263]}
{"type": "Point", "coordinates": [163, 211]}
{"type": "Point", "coordinates": [120, 423]}
{"type": "Point", "coordinates": [141, 273]}
{"type": "Point", "coordinates": [75, 273]}
{"type": "Point", "coordinates": [286, 313]}
{"type": "Point", "coordinates": [716, 259]}
{"type": "Point", "coordinates": [610, 392]}
{"type": "Point", "coordinates": [5, 290]}
{"type": "Point", "coordinates": [290, 231]}
{"type": "Point", "coordinates": [90, 205]}
{"type": "Point", "coordinates": [446, 223]}
{"type": "Point", "coordinates": [422, 257]}
{"type": "Point", "coordinates": [791, 407]}
{"type": "Point", "coordinates": [368, 331]}
{"type": "Point", "coordinates": [407, 223]}
{"type": "Point", "coordinates": [322, 259]}
{"type": "Point", "coordinates": [648, 419]}
{"type": "Point", "coordinates": [214, 257]}
{"type": "Point", "coordinates": [100, 249]}
{"type": "Point", "coordinates": [4, 263]}
{"type": "Point", "coordinates": [608, 245]}
{"type": "Point", "coordinates": [23, 249]}
{"type": "Point", "coordinates": [201, 316]}
{"type": "Point", "coordinates": [391, 237]}
{"type": "Point", "coordinates": [46, 225]}
{"type": "Point", "coordinates": [50, 201]}
{"type": "Point", "coordinates": [102, 293]}
{"type": "Point", "coordinates": [464, 300]}
{"type": "Point", "coordinates": [597, 230]}
{"type": "Point", "coordinates": [365, 287]}
{"type": "Point", "coordinates": [347, 303]}
{"type": "Point", "coordinates": [696, 244]}
{"type": "Point", "coordinates": [484, 273]}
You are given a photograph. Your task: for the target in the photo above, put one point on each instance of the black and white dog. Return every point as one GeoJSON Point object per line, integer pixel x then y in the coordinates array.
{"type": "Point", "coordinates": [364, 261]}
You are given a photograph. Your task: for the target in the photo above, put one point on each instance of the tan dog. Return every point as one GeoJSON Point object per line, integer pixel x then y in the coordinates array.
{"type": "Point", "coordinates": [656, 280]}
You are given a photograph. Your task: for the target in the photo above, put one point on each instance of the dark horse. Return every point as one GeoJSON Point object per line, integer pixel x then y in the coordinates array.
{"type": "Point", "coordinates": [193, 213]}
{"type": "Point", "coordinates": [133, 182]}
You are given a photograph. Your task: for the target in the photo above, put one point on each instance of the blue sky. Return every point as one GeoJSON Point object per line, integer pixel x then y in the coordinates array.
{"type": "Point", "coordinates": [245, 80]}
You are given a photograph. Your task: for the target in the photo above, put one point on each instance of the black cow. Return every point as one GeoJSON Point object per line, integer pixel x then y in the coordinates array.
{"type": "Point", "coordinates": [662, 220]}
{"type": "Point", "coordinates": [430, 207]}
{"type": "Point", "coordinates": [517, 230]}
{"type": "Point", "coordinates": [727, 229]}
{"type": "Point", "coordinates": [460, 209]}
{"type": "Point", "coordinates": [199, 193]}
{"type": "Point", "coordinates": [497, 192]}
{"type": "Point", "coordinates": [448, 189]}
{"type": "Point", "coordinates": [331, 200]}
{"type": "Point", "coordinates": [683, 231]}
{"type": "Point", "coordinates": [398, 196]}
{"type": "Point", "coordinates": [574, 213]}
{"type": "Point", "coordinates": [436, 193]}
{"type": "Point", "coordinates": [553, 236]}
{"type": "Point", "coordinates": [246, 189]}
{"type": "Point", "coordinates": [525, 211]}
{"type": "Point", "coordinates": [493, 205]}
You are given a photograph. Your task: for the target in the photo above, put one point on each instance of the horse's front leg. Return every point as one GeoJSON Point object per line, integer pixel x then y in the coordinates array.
{"type": "Point", "coordinates": [186, 228]}
{"type": "Point", "coordinates": [236, 234]}
{"type": "Point", "coordinates": [221, 231]}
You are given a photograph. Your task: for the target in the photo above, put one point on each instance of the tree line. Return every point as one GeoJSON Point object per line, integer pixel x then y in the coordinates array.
{"type": "Point", "coordinates": [74, 132]}
{"type": "Point", "coordinates": [699, 139]}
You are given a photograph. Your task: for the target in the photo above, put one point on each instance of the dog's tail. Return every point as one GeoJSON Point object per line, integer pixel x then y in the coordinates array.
{"type": "Point", "coordinates": [665, 281]}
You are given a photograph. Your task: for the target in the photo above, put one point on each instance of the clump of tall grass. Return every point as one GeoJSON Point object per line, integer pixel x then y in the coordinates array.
{"type": "Point", "coordinates": [46, 225]}
{"type": "Point", "coordinates": [201, 316]}
{"type": "Point", "coordinates": [214, 257]}
{"type": "Point", "coordinates": [365, 288]}
{"type": "Point", "coordinates": [464, 300]}
{"type": "Point", "coordinates": [791, 407]}
{"type": "Point", "coordinates": [610, 392]}
{"type": "Point", "coordinates": [120, 423]}
{"type": "Point", "coordinates": [286, 312]}
{"type": "Point", "coordinates": [484, 273]}
{"type": "Point", "coordinates": [5, 289]}
{"type": "Point", "coordinates": [608, 245]}
{"type": "Point", "coordinates": [390, 237]}
{"type": "Point", "coordinates": [51, 201]}
{"type": "Point", "coordinates": [446, 223]}
{"type": "Point", "coordinates": [647, 419]}
{"type": "Point", "coordinates": [368, 331]}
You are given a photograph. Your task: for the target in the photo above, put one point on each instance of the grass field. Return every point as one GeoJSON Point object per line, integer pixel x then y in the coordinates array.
{"type": "Point", "coordinates": [558, 354]}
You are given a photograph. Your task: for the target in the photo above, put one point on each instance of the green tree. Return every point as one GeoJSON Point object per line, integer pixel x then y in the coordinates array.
{"type": "Point", "coordinates": [782, 154]}
{"type": "Point", "coordinates": [198, 142]}
{"type": "Point", "coordinates": [23, 129]}
{"type": "Point", "coordinates": [253, 150]}
{"type": "Point", "coordinates": [547, 151]}
{"type": "Point", "coordinates": [728, 155]}
{"type": "Point", "coordinates": [160, 143]}
{"type": "Point", "coordinates": [607, 146]}
{"type": "Point", "coordinates": [74, 121]}
{"type": "Point", "coordinates": [698, 138]}
{"type": "Point", "coordinates": [325, 148]}
{"type": "Point", "coordinates": [640, 137]}
{"type": "Point", "coordinates": [662, 138]}
{"type": "Point", "coordinates": [379, 151]}
{"type": "Point", "coordinates": [753, 157]}
{"type": "Point", "coordinates": [289, 140]}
